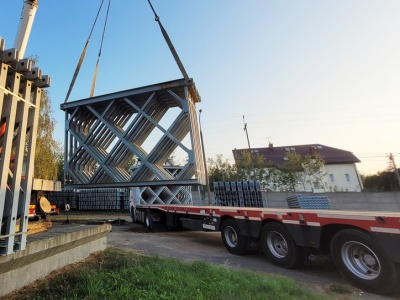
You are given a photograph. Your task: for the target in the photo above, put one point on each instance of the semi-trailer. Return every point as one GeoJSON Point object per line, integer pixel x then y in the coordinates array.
{"type": "Point", "coordinates": [364, 246]}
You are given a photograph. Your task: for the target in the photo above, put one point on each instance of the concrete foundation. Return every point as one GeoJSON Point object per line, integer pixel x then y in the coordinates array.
{"type": "Point", "coordinates": [49, 251]}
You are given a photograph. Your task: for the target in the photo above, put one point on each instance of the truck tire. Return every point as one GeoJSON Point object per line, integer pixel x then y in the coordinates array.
{"type": "Point", "coordinates": [279, 246]}
{"type": "Point", "coordinates": [360, 259]}
{"type": "Point", "coordinates": [235, 242]}
{"type": "Point", "coordinates": [132, 213]}
{"type": "Point", "coordinates": [148, 220]}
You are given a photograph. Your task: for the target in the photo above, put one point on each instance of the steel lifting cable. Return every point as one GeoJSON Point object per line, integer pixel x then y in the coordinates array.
{"type": "Point", "coordinates": [81, 58]}
{"type": "Point", "coordinates": [98, 57]}
{"type": "Point", "coordinates": [170, 45]}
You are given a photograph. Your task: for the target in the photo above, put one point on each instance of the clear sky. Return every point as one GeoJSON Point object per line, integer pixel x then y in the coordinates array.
{"type": "Point", "coordinates": [301, 72]}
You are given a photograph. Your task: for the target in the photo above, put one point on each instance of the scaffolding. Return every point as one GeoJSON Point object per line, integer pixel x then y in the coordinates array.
{"type": "Point", "coordinates": [20, 96]}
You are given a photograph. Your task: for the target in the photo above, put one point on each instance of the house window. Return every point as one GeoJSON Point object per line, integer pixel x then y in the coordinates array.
{"type": "Point", "coordinates": [331, 177]}
{"type": "Point", "coordinates": [347, 177]}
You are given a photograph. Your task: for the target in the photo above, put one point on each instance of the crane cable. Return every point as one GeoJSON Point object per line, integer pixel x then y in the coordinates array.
{"type": "Point", "coordinates": [81, 58]}
{"type": "Point", "coordinates": [98, 57]}
{"type": "Point", "coordinates": [170, 45]}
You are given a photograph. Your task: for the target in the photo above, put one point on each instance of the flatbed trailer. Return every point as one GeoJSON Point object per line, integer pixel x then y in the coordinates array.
{"type": "Point", "coordinates": [364, 246]}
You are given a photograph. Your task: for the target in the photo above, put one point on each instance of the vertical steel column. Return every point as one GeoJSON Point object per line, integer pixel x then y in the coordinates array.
{"type": "Point", "coordinates": [8, 168]}
{"type": "Point", "coordinates": [20, 96]}
{"type": "Point", "coordinates": [32, 126]}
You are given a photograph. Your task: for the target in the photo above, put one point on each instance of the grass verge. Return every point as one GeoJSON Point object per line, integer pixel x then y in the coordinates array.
{"type": "Point", "coordinates": [117, 274]}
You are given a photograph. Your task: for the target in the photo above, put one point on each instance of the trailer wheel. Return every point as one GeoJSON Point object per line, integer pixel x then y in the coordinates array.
{"type": "Point", "coordinates": [234, 241]}
{"type": "Point", "coordinates": [132, 213]}
{"type": "Point", "coordinates": [363, 261]}
{"type": "Point", "coordinates": [148, 220]}
{"type": "Point", "coordinates": [278, 245]}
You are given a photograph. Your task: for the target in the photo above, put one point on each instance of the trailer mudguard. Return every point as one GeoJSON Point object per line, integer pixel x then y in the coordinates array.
{"type": "Point", "coordinates": [305, 236]}
{"type": "Point", "coordinates": [249, 228]}
{"type": "Point", "coordinates": [390, 243]}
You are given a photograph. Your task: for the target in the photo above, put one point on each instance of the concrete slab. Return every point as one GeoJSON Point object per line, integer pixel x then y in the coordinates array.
{"type": "Point", "coordinates": [48, 251]}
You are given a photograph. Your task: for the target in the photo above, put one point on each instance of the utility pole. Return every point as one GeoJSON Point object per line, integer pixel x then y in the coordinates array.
{"type": "Point", "coordinates": [395, 168]}
{"type": "Point", "coordinates": [204, 160]}
{"type": "Point", "coordinates": [251, 154]}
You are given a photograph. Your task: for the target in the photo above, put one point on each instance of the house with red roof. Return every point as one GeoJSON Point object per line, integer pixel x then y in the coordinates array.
{"type": "Point", "coordinates": [339, 172]}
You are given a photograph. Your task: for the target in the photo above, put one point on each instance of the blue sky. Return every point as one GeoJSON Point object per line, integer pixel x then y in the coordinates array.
{"type": "Point", "coordinates": [301, 72]}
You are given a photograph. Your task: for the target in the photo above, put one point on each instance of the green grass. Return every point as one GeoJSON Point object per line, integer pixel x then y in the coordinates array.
{"type": "Point", "coordinates": [116, 274]}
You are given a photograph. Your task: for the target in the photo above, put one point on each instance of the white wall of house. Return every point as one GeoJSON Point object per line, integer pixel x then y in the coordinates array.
{"type": "Point", "coordinates": [342, 178]}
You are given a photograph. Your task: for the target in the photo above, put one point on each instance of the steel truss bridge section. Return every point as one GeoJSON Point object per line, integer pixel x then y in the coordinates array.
{"type": "Point", "coordinates": [178, 194]}
{"type": "Point", "coordinates": [20, 96]}
{"type": "Point", "coordinates": [103, 134]}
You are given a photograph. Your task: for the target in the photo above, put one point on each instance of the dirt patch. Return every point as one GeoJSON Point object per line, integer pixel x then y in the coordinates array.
{"type": "Point", "coordinates": [37, 226]}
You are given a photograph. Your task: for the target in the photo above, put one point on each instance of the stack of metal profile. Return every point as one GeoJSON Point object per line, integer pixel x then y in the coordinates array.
{"type": "Point", "coordinates": [92, 199]}
{"type": "Point", "coordinates": [308, 202]}
{"type": "Point", "coordinates": [238, 193]}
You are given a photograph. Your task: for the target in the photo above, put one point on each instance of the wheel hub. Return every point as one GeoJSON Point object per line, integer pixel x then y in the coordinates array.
{"type": "Point", "coordinates": [231, 236]}
{"type": "Point", "coordinates": [369, 259]}
{"type": "Point", "coordinates": [360, 260]}
{"type": "Point", "coordinates": [277, 244]}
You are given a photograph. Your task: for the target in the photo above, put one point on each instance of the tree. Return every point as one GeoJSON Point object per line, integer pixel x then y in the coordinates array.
{"type": "Point", "coordinates": [297, 170]}
{"type": "Point", "coordinates": [60, 165]}
{"type": "Point", "coordinates": [263, 171]}
{"type": "Point", "coordinates": [220, 169]}
{"type": "Point", "coordinates": [382, 181]}
{"type": "Point", "coordinates": [300, 171]}
{"type": "Point", "coordinates": [48, 150]}
{"type": "Point", "coordinates": [313, 173]}
{"type": "Point", "coordinates": [290, 171]}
